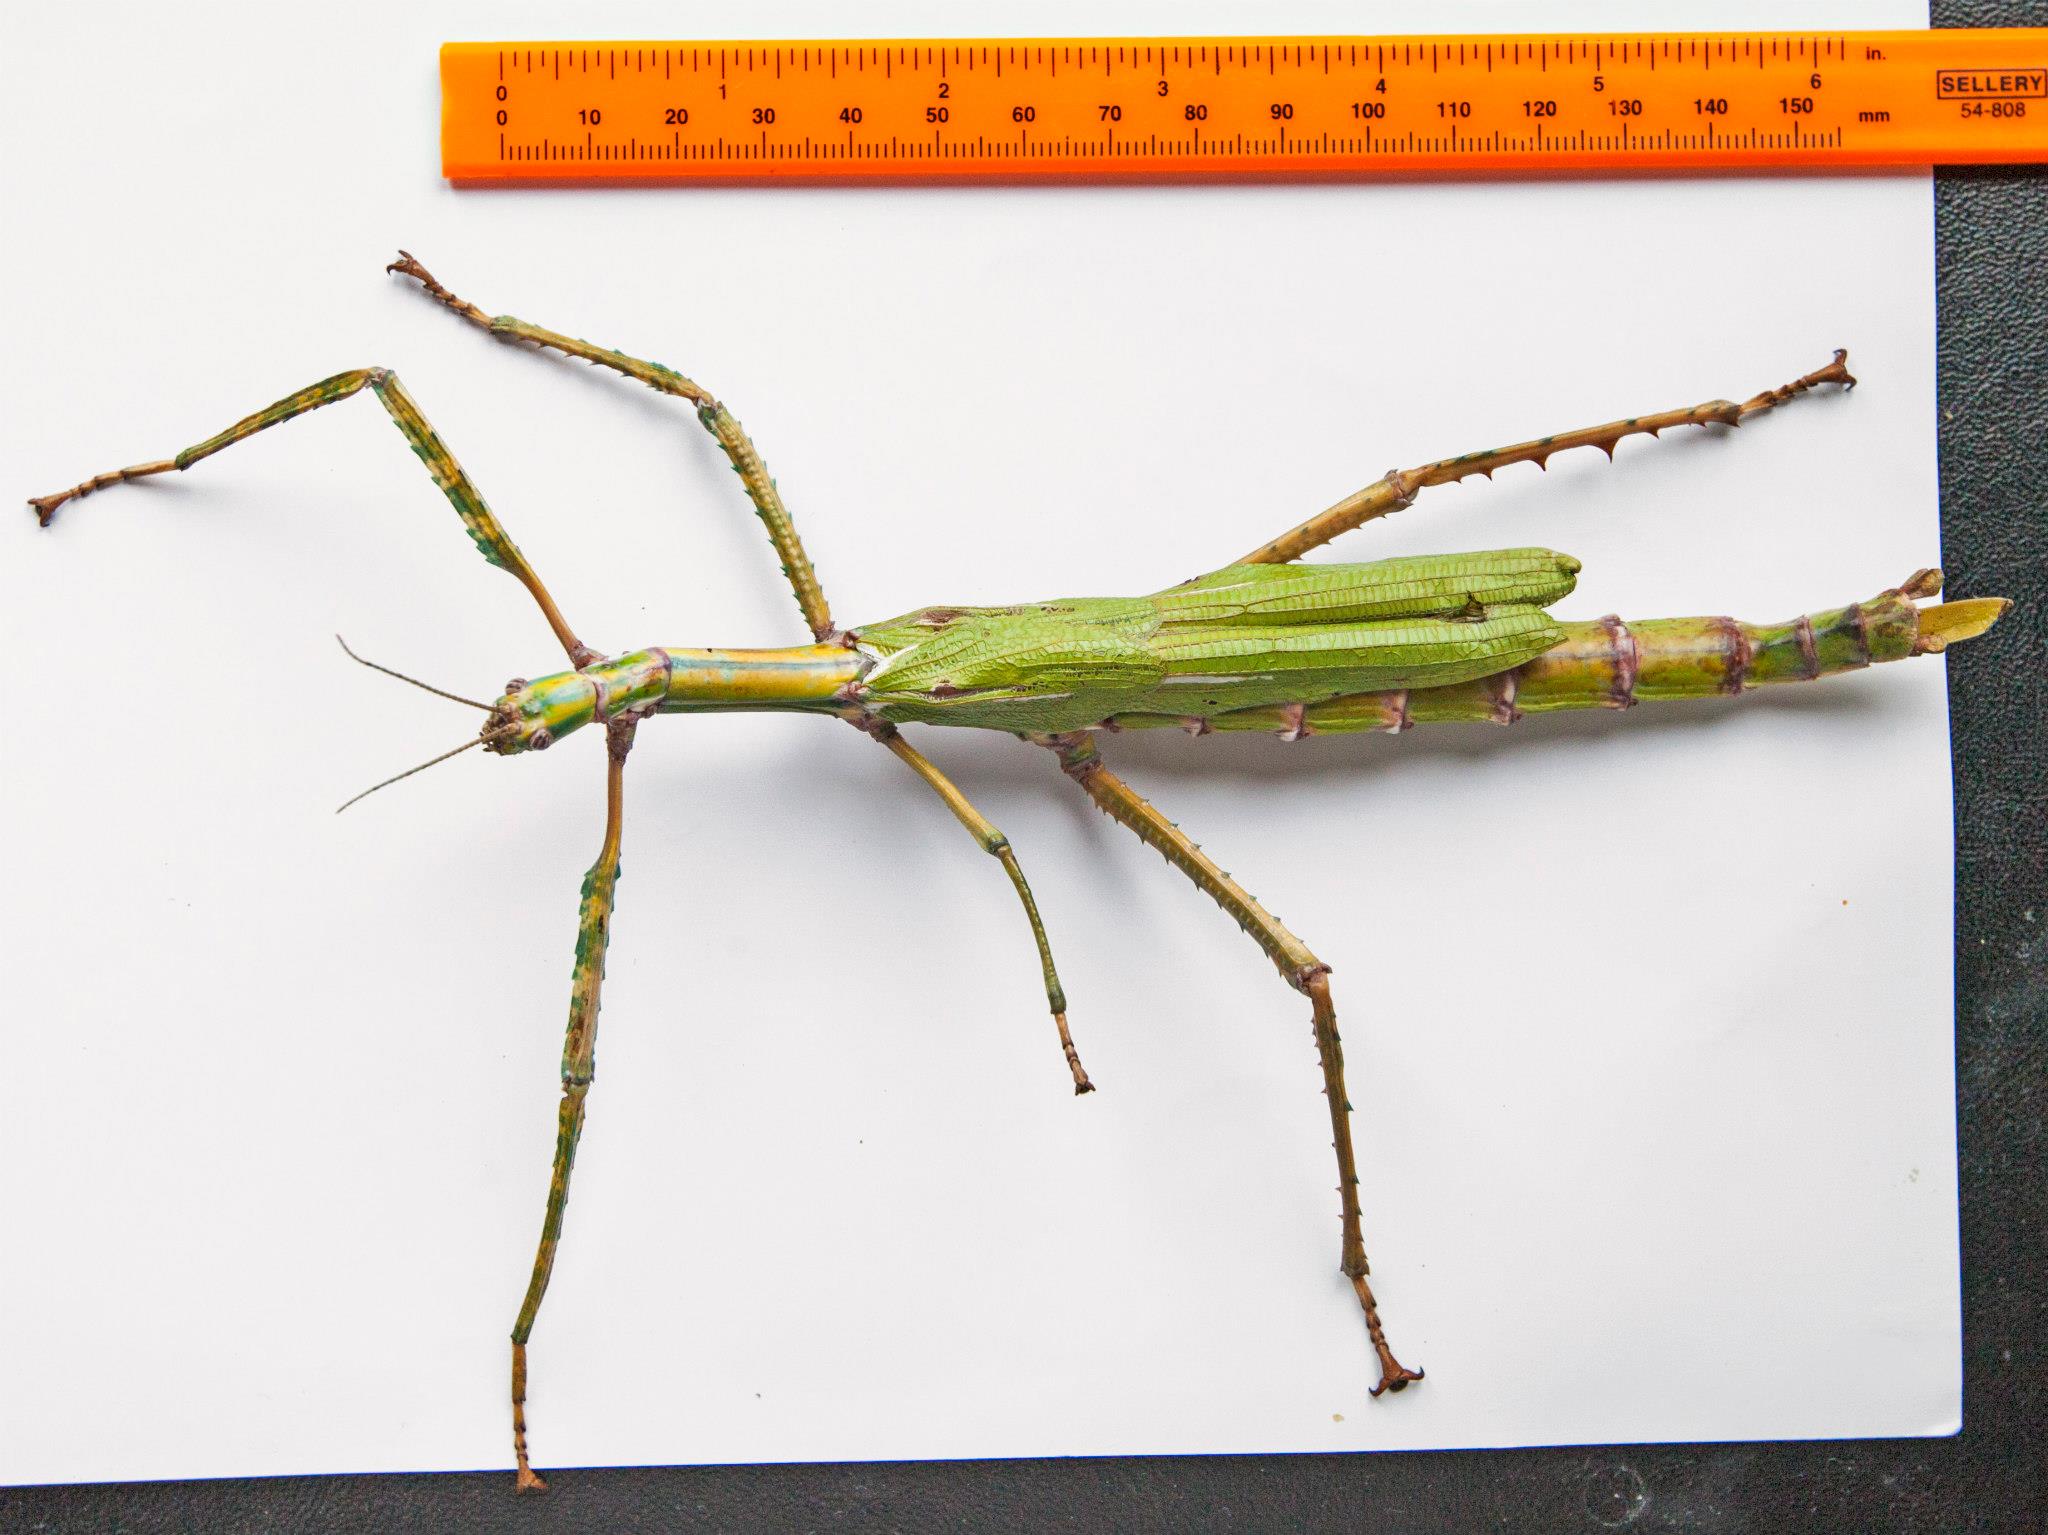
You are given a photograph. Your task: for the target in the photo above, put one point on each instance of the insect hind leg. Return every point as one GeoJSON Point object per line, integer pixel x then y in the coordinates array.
{"type": "Point", "coordinates": [1398, 488]}
{"type": "Point", "coordinates": [1301, 969]}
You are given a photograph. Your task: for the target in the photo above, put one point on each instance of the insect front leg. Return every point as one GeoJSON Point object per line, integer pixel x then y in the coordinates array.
{"type": "Point", "coordinates": [1301, 969]}
{"type": "Point", "coordinates": [579, 1065]}
{"type": "Point", "coordinates": [1398, 487]}
{"type": "Point", "coordinates": [717, 420]}
{"type": "Point", "coordinates": [491, 539]}
{"type": "Point", "coordinates": [995, 843]}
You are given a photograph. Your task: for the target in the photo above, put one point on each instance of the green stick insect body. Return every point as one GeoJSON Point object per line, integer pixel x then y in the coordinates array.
{"type": "Point", "coordinates": [1262, 644]}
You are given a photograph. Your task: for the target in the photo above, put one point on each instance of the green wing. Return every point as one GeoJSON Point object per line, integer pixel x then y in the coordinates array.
{"type": "Point", "coordinates": [1239, 637]}
{"type": "Point", "coordinates": [1423, 586]}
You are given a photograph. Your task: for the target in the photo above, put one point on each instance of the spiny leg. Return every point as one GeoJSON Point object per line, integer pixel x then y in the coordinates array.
{"type": "Point", "coordinates": [1398, 487]}
{"type": "Point", "coordinates": [994, 842]}
{"type": "Point", "coordinates": [717, 420]}
{"type": "Point", "coordinates": [579, 1064]}
{"type": "Point", "coordinates": [1301, 969]}
{"type": "Point", "coordinates": [490, 538]}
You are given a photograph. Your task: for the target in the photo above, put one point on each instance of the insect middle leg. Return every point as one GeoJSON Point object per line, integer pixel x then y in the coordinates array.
{"type": "Point", "coordinates": [718, 421]}
{"type": "Point", "coordinates": [491, 539]}
{"type": "Point", "coordinates": [1398, 487]}
{"type": "Point", "coordinates": [1301, 969]}
{"type": "Point", "coordinates": [995, 843]}
{"type": "Point", "coordinates": [579, 1065]}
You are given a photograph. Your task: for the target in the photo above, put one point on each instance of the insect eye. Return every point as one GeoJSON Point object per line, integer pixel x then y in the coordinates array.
{"type": "Point", "coordinates": [540, 740]}
{"type": "Point", "coordinates": [515, 684]}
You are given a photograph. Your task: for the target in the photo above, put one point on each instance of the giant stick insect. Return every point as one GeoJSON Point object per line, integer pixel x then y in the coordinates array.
{"type": "Point", "coordinates": [1261, 644]}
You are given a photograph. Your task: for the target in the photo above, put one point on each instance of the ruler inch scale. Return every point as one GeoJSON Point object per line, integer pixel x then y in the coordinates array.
{"type": "Point", "coordinates": [1231, 108]}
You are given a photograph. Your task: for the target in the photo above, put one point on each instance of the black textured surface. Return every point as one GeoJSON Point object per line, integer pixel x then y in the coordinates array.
{"type": "Point", "coordinates": [1992, 232]}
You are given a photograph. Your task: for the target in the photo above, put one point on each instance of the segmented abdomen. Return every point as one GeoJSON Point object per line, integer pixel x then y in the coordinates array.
{"type": "Point", "coordinates": [1609, 664]}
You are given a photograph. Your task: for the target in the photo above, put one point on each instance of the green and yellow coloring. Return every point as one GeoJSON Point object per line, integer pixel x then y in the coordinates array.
{"type": "Point", "coordinates": [1292, 649]}
{"type": "Point", "coordinates": [1262, 644]}
{"type": "Point", "coordinates": [1240, 637]}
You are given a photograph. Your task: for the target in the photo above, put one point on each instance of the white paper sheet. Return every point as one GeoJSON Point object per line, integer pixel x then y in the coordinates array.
{"type": "Point", "coordinates": [1648, 1015]}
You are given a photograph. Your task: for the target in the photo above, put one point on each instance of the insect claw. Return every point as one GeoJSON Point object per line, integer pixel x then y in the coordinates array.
{"type": "Point", "coordinates": [1394, 1375]}
{"type": "Point", "coordinates": [408, 265]}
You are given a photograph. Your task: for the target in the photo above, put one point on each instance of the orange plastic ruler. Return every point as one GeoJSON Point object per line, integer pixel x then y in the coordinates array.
{"type": "Point", "coordinates": [1233, 107]}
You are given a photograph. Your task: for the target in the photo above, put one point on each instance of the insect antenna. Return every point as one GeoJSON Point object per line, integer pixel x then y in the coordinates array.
{"type": "Point", "coordinates": [401, 676]}
{"type": "Point", "coordinates": [465, 746]}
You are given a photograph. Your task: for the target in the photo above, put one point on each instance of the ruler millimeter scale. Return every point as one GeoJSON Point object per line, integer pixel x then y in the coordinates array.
{"type": "Point", "coordinates": [1110, 108]}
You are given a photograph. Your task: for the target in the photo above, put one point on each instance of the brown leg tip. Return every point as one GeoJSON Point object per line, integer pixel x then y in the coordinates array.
{"type": "Point", "coordinates": [529, 1481]}
{"type": "Point", "coordinates": [408, 265]}
{"type": "Point", "coordinates": [45, 507]}
{"type": "Point", "coordinates": [1083, 1086]}
{"type": "Point", "coordinates": [1395, 1376]}
{"type": "Point", "coordinates": [405, 266]}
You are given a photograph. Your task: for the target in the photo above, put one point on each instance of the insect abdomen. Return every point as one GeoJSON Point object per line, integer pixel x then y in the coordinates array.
{"type": "Point", "coordinates": [1214, 670]}
{"type": "Point", "coordinates": [1609, 664]}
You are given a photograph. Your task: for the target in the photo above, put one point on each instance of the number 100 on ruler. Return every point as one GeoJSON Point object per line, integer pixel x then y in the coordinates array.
{"type": "Point", "coordinates": [1108, 108]}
